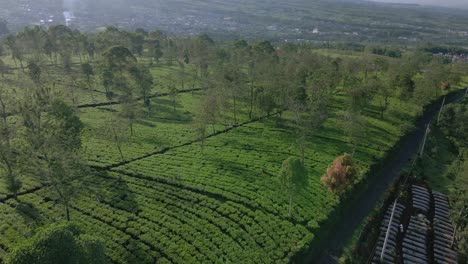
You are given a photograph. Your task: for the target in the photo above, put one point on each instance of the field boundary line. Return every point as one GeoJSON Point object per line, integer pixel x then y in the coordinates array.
{"type": "Point", "coordinates": [156, 95]}
{"type": "Point", "coordinates": [165, 150]}
{"type": "Point", "coordinates": [25, 192]}
{"type": "Point", "coordinates": [110, 103]}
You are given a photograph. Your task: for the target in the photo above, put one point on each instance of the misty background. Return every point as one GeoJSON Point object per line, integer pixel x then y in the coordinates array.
{"type": "Point", "coordinates": [281, 20]}
{"type": "Point", "coordinates": [447, 3]}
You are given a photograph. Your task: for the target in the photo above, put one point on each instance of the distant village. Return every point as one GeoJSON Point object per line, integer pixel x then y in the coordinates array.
{"type": "Point", "coordinates": [463, 57]}
{"type": "Point", "coordinates": [224, 23]}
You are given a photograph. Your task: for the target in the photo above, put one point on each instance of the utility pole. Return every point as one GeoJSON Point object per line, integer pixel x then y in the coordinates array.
{"type": "Point", "coordinates": [441, 108]}
{"type": "Point", "coordinates": [388, 232]}
{"type": "Point", "coordinates": [424, 141]}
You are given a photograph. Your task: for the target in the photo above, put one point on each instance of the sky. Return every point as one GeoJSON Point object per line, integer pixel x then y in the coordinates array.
{"type": "Point", "coordinates": [449, 3]}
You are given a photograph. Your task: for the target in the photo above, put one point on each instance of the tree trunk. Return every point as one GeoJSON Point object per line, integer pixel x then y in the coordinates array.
{"type": "Point", "coordinates": [302, 152]}
{"type": "Point", "coordinates": [235, 109]}
{"type": "Point", "coordinates": [14, 60]}
{"type": "Point", "coordinates": [456, 227]}
{"type": "Point", "coordinates": [62, 197]}
{"type": "Point", "coordinates": [68, 211]}
{"type": "Point", "coordinates": [290, 205]}
{"type": "Point", "coordinates": [382, 109]}
{"type": "Point", "coordinates": [386, 103]}
{"type": "Point", "coordinates": [251, 99]}
{"type": "Point", "coordinates": [202, 145]}
{"type": "Point", "coordinates": [116, 139]}
{"type": "Point", "coordinates": [148, 106]}
{"type": "Point", "coordinates": [4, 114]}
{"type": "Point", "coordinates": [182, 78]}
{"type": "Point", "coordinates": [120, 152]}
{"type": "Point", "coordinates": [11, 176]}
{"type": "Point", "coordinates": [21, 64]}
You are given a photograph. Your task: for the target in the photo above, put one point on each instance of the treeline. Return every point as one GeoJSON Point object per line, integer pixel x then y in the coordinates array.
{"type": "Point", "coordinates": [387, 51]}
{"type": "Point", "coordinates": [445, 167]}
{"type": "Point", "coordinates": [436, 49]}
{"type": "Point", "coordinates": [454, 126]}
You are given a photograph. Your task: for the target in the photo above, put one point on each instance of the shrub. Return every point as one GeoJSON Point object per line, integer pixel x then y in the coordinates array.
{"type": "Point", "coordinates": [340, 173]}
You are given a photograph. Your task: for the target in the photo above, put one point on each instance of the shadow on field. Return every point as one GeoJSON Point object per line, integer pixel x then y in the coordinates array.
{"type": "Point", "coordinates": [28, 212]}
{"type": "Point", "coordinates": [112, 190]}
{"type": "Point", "coordinates": [145, 123]}
{"type": "Point", "coordinates": [163, 109]}
{"type": "Point", "coordinates": [242, 170]}
{"type": "Point", "coordinates": [115, 192]}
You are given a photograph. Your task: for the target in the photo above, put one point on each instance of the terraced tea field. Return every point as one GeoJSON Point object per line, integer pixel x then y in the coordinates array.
{"type": "Point", "coordinates": [170, 202]}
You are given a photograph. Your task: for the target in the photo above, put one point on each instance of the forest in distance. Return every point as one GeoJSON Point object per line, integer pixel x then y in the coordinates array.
{"type": "Point", "coordinates": [123, 145]}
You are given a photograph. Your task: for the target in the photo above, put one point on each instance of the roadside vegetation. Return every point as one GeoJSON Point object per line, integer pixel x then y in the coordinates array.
{"type": "Point", "coordinates": [442, 168]}
{"type": "Point", "coordinates": [445, 168]}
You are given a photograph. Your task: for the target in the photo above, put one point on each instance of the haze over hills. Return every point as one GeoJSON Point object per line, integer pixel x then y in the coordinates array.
{"type": "Point", "coordinates": [447, 3]}
{"type": "Point", "coordinates": [295, 20]}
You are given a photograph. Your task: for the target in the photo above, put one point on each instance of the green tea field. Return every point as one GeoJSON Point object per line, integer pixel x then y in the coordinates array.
{"type": "Point", "coordinates": [158, 187]}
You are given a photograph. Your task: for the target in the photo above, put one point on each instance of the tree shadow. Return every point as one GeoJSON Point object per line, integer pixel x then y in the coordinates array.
{"type": "Point", "coordinates": [28, 212]}
{"type": "Point", "coordinates": [145, 123]}
{"type": "Point", "coordinates": [164, 109]}
{"type": "Point", "coordinates": [113, 191]}
{"type": "Point", "coordinates": [138, 252]}
{"type": "Point", "coordinates": [107, 109]}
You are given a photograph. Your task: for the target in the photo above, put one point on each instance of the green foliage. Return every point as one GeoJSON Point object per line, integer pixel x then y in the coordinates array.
{"type": "Point", "coordinates": [387, 51]}
{"type": "Point", "coordinates": [67, 126]}
{"type": "Point", "coordinates": [353, 125]}
{"type": "Point", "coordinates": [118, 58]}
{"type": "Point", "coordinates": [156, 50]}
{"type": "Point", "coordinates": [144, 82]}
{"type": "Point", "coordinates": [264, 47]}
{"type": "Point", "coordinates": [34, 72]}
{"type": "Point", "coordinates": [157, 197]}
{"type": "Point", "coordinates": [359, 93]}
{"type": "Point", "coordinates": [436, 49]}
{"type": "Point", "coordinates": [205, 40]}
{"type": "Point", "coordinates": [292, 178]}
{"type": "Point", "coordinates": [445, 168]}
{"type": "Point", "coordinates": [58, 244]}
{"type": "Point", "coordinates": [293, 175]}
{"type": "Point", "coordinates": [87, 70]}
{"type": "Point", "coordinates": [453, 121]}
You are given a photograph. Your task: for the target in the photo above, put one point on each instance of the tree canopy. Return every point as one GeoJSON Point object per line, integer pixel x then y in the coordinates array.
{"type": "Point", "coordinates": [59, 244]}
{"type": "Point", "coordinates": [340, 173]}
{"type": "Point", "coordinates": [293, 177]}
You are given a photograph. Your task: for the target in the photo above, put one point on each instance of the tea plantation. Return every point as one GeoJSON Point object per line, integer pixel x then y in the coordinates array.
{"type": "Point", "coordinates": [166, 195]}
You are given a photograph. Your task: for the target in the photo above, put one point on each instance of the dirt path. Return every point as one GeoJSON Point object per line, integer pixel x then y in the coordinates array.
{"type": "Point", "coordinates": [354, 213]}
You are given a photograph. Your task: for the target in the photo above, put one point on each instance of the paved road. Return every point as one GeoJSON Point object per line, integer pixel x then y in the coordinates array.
{"type": "Point", "coordinates": [357, 211]}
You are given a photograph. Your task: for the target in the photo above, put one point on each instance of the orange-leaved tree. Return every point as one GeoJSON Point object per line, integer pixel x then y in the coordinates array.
{"type": "Point", "coordinates": [340, 173]}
